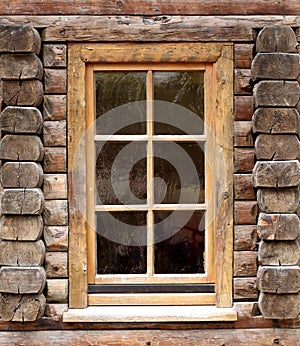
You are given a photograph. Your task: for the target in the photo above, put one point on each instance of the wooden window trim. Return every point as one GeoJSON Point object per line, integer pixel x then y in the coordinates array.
{"type": "Point", "coordinates": [220, 56]}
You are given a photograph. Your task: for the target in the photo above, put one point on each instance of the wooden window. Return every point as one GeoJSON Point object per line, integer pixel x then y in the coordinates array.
{"type": "Point", "coordinates": [175, 262]}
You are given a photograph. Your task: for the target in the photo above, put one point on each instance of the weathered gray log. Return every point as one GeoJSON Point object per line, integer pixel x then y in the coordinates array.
{"type": "Point", "coordinates": [276, 39]}
{"type": "Point", "coordinates": [243, 136]}
{"type": "Point", "coordinates": [55, 107]}
{"type": "Point", "coordinates": [20, 67]}
{"type": "Point", "coordinates": [245, 263]}
{"type": "Point", "coordinates": [245, 212]}
{"type": "Point", "coordinates": [278, 201]}
{"type": "Point", "coordinates": [55, 186]}
{"type": "Point", "coordinates": [278, 226]}
{"type": "Point", "coordinates": [55, 160]}
{"type": "Point", "coordinates": [278, 253]}
{"type": "Point", "coordinates": [245, 238]}
{"type": "Point", "coordinates": [276, 173]}
{"type": "Point", "coordinates": [275, 66]}
{"type": "Point", "coordinates": [22, 201]}
{"type": "Point", "coordinates": [243, 160]}
{"type": "Point", "coordinates": [55, 213]}
{"type": "Point", "coordinates": [21, 228]}
{"type": "Point", "coordinates": [276, 120]}
{"type": "Point", "coordinates": [277, 147]}
{"type": "Point", "coordinates": [21, 148]}
{"type": "Point", "coordinates": [22, 280]}
{"type": "Point", "coordinates": [19, 39]}
{"type": "Point", "coordinates": [56, 264]}
{"type": "Point", "coordinates": [21, 120]}
{"type": "Point", "coordinates": [55, 55]}
{"type": "Point", "coordinates": [245, 288]}
{"type": "Point", "coordinates": [57, 291]}
{"type": "Point", "coordinates": [243, 187]}
{"type": "Point", "coordinates": [279, 306]}
{"type": "Point", "coordinates": [56, 238]}
{"type": "Point", "coordinates": [24, 93]}
{"type": "Point", "coordinates": [243, 107]}
{"type": "Point", "coordinates": [18, 308]}
{"type": "Point", "coordinates": [55, 133]}
{"type": "Point", "coordinates": [279, 279]}
{"type": "Point", "coordinates": [26, 254]}
{"type": "Point", "coordinates": [55, 81]}
{"type": "Point", "coordinates": [276, 93]}
{"type": "Point", "coordinates": [22, 174]}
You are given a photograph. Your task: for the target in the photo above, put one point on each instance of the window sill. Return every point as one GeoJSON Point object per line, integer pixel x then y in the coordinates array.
{"type": "Point", "coordinates": [150, 314]}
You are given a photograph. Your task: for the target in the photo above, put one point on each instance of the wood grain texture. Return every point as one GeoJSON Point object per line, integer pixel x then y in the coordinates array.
{"type": "Point", "coordinates": [55, 133]}
{"type": "Point", "coordinates": [243, 55]}
{"type": "Point", "coordinates": [55, 213]}
{"type": "Point", "coordinates": [245, 263]}
{"type": "Point", "coordinates": [57, 291]}
{"type": "Point", "coordinates": [21, 174]}
{"type": "Point", "coordinates": [55, 81]}
{"type": "Point", "coordinates": [55, 107]}
{"type": "Point", "coordinates": [21, 228]}
{"type": "Point", "coordinates": [56, 264]}
{"type": "Point", "coordinates": [245, 238]}
{"type": "Point", "coordinates": [243, 108]}
{"type": "Point", "coordinates": [278, 226]}
{"type": "Point", "coordinates": [245, 212]}
{"type": "Point", "coordinates": [278, 201]}
{"type": "Point", "coordinates": [54, 55]}
{"type": "Point", "coordinates": [243, 136]}
{"type": "Point", "coordinates": [243, 160]}
{"type": "Point", "coordinates": [56, 238]}
{"type": "Point", "coordinates": [245, 289]}
{"type": "Point", "coordinates": [55, 186]}
{"type": "Point", "coordinates": [55, 160]}
{"type": "Point", "coordinates": [276, 253]}
{"type": "Point", "coordinates": [243, 187]}
{"type": "Point", "coordinates": [243, 83]}
{"type": "Point", "coordinates": [21, 120]}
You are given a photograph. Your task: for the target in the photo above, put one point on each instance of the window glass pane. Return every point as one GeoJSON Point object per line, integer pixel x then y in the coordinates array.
{"type": "Point", "coordinates": [183, 251]}
{"type": "Point", "coordinates": [116, 231]}
{"type": "Point", "coordinates": [185, 89]}
{"type": "Point", "coordinates": [115, 89]}
{"type": "Point", "coordinates": [121, 173]}
{"type": "Point", "coordinates": [179, 172]}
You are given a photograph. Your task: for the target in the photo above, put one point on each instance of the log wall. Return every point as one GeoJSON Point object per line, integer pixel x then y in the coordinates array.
{"type": "Point", "coordinates": [259, 229]}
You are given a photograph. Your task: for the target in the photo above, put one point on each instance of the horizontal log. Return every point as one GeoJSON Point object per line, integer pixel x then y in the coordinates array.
{"type": "Point", "coordinates": [278, 200]}
{"type": "Point", "coordinates": [18, 308]}
{"type": "Point", "coordinates": [23, 93]}
{"type": "Point", "coordinates": [279, 279]}
{"type": "Point", "coordinates": [55, 107]}
{"type": "Point", "coordinates": [22, 201]}
{"type": "Point", "coordinates": [56, 264]}
{"type": "Point", "coordinates": [243, 136]}
{"type": "Point", "coordinates": [243, 187]}
{"type": "Point", "coordinates": [55, 81]}
{"type": "Point", "coordinates": [19, 39]}
{"type": "Point", "coordinates": [55, 311]}
{"type": "Point", "coordinates": [275, 66]}
{"type": "Point", "coordinates": [243, 160]}
{"type": "Point", "coordinates": [21, 228]}
{"type": "Point", "coordinates": [55, 160]}
{"type": "Point", "coordinates": [56, 238]}
{"type": "Point", "coordinates": [276, 93]}
{"type": "Point", "coordinates": [279, 306]}
{"type": "Point", "coordinates": [245, 212]}
{"type": "Point", "coordinates": [21, 120]}
{"type": "Point", "coordinates": [276, 120]}
{"type": "Point", "coordinates": [55, 133]}
{"type": "Point", "coordinates": [278, 253]}
{"type": "Point", "coordinates": [57, 291]}
{"type": "Point", "coordinates": [21, 174]}
{"type": "Point", "coordinates": [277, 147]}
{"type": "Point", "coordinates": [245, 289]}
{"type": "Point", "coordinates": [245, 263]}
{"type": "Point", "coordinates": [25, 253]}
{"type": "Point", "coordinates": [243, 54]}
{"type": "Point", "coordinates": [278, 226]}
{"type": "Point", "coordinates": [242, 82]}
{"type": "Point", "coordinates": [276, 174]}
{"type": "Point", "coordinates": [22, 280]}
{"type": "Point", "coordinates": [276, 39]}
{"type": "Point", "coordinates": [55, 186]}
{"type": "Point", "coordinates": [21, 148]}
{"type": "Point", "coordinates": [135, 7]}
{"type": "Point", "coordinates": [243, 107]}
{"type": "Point", "coordinates": [55, 55]}
{"type": "Point", "coordinates": [20, 67]}
{"type": "Point", "coordinates": [245, 238]}
{"type": "Point", "coordinates": [55, 213]}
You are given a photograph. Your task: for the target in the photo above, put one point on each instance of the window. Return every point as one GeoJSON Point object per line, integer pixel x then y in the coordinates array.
{"type": "Point", "coordinates": [150, 174]}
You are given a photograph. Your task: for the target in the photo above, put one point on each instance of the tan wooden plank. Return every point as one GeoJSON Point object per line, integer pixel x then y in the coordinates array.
{"type": "Point", "coordinates": [152, 299]}
{"type": "Point", "coordinates": [76, 127]}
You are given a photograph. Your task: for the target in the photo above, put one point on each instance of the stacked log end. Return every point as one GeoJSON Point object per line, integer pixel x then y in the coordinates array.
{"type": "Point", "coordinates": [276, 174]}
{"type": "Point", "coordinates": [22, 251]}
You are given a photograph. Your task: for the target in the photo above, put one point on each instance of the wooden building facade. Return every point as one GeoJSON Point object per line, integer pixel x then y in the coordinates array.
{"type": "Point", "coordinates": [248, 57]}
